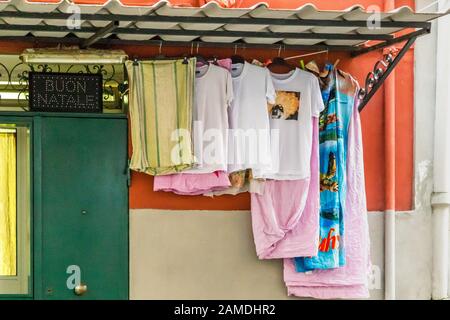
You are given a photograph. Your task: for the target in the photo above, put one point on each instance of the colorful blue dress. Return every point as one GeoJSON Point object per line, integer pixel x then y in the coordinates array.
{"type": "Point", "coordinates": [333, 126]}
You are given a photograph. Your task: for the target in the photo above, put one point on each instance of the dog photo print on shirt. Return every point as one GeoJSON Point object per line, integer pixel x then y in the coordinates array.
{"type": "Point", "coordinates": [286, 107]}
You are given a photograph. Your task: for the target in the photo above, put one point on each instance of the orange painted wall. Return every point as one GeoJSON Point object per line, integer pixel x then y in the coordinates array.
{"type": "Point", "coordinates": [142, 196]}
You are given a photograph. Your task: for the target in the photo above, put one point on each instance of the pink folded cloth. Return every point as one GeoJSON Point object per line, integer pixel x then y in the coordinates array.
{"type": "Point", "coordinates": [285, 218]}
{"type": "Point", "coordinates": [330, 292]}
{"type": "Point", "coordinates": [350, 281]}
{"type": "Point", "coordinates": [192, 184]}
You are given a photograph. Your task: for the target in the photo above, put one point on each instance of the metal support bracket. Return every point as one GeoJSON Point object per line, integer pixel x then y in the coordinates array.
{"type": "Point", "coordinates": [381, 72]}
{"type": "Point", "coordinates": [100, 34]}
{"type": "Point", "coordinates": [391, 42]}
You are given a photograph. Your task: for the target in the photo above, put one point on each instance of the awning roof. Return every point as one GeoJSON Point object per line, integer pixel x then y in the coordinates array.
{"type": "Point", "coordinates": [305, 26]}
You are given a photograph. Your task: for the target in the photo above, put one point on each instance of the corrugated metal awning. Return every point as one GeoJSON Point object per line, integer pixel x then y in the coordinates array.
{"type": "Point", "coordinates": [305, 26]}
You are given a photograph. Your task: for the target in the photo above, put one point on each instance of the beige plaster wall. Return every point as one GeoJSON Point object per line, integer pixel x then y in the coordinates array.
{"type": "Point", "coordinates": [198, 255]}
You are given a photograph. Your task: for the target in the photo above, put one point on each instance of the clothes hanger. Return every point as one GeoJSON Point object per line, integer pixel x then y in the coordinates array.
{"type": "Point", "coordinates": [336, 63]}
{"type": "Point", "coordinates": [214, 60]}
{"type": "Point", "coordinates": [328, 67]}
{"type": "Point", "coordinates": [186, 56]}
{"type": "Point", "coordinates": [237, 58]}
{"type": "Point", "coordinates": [280, 64]}
{"type": "Point", "coordinates": [201, 60]}
{"type": "Point", "coordinates": [160, 56]}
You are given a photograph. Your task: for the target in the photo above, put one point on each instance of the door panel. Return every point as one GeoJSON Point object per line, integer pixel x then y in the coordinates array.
{"type": "Point", "coordinates": [84, 205]}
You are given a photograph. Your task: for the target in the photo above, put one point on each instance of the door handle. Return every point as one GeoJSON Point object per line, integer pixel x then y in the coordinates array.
{"type": "Point", "coordinates": [81, 289]}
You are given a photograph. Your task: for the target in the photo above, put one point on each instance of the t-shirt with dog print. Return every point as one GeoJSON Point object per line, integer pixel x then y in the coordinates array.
{"type": "Point", "coordinates": [298, 99]}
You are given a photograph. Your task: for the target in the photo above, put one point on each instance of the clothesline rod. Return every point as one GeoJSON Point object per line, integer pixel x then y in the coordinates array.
{"type": "Point", "coordinates": [200, 33]}
{"type": "Point", "coordinates": [111, 41]}
{"type": "Point", "coordinates": [386, 74]}
{"type": "Point", "coordinates": [213, 20]}
{"type": "Point", "coordinates": [306, 55]}
{"type": "Point", "coordinates": [388, 43]}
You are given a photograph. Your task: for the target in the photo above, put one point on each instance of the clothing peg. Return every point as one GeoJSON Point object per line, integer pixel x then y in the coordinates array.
{"type": "Point", "coordinates": [185, 60]}
{"type": "Point", "coordinates": [135, 61]}
{"type": "Point", "coordinates": [302, 64]}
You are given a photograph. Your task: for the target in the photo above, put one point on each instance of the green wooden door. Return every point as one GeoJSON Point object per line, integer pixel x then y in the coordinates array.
{"type": "Point", "coordinates": [82, 196]}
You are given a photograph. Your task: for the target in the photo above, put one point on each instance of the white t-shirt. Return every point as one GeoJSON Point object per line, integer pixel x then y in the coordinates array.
{"type": "Point", "coordinates": [249, 136]}
{"type": "Point", "coordinates": [212, 98]}
{"type": "Point", "coordinates": [298, 99]}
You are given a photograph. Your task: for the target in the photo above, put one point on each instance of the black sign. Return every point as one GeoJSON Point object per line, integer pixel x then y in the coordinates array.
{"type": "Point", "coordinates": [65, 92]}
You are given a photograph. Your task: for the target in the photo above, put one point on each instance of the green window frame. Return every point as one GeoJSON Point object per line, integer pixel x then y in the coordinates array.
{"type": "Point", "coordinates": [20, 285]}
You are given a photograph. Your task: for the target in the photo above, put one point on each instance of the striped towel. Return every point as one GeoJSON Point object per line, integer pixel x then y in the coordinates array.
{"type": "Point", "coordinates": [161, 103]}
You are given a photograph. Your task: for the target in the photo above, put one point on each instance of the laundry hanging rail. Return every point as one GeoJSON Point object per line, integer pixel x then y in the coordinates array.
{"type": "Point", "coordinates": [347, 30]}
{"type": "Point", "coordinates": [352, 31]}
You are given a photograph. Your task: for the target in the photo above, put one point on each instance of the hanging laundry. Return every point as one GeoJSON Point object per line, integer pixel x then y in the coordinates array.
{"type": "Point", "coordinates": [249, 134]}
{"type": "Point", "coordinates": [225, 63]}
{"type": "Point", "coordinates": [241, 181]}
{"type": "Point", "coordinates": [249, 138]}
{"type": "Point", "coordinates": [161, 101]}
{"type": "Point", "coordinates": [285, 218]}
{"type": "Point", "coordinates": [334, 122]}
{"type": "Point", "coordinates": [349, 281]}
{"type": "Point", "coordinates": [212, 98]}
{"type": "Point", "coordinates": [258, 63]}
{"type": "Point", "coordinates": [298, 99]}
{"type": "Point", "coordinates": [192, 184]}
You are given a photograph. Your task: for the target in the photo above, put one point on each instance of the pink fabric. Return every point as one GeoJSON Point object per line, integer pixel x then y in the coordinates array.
{"type": "Point", "coordinates": [225, 63]}
{"type": "Point", "coordinates": [192, 184]}
{"type": "Point", "coordinates": [337, 292]}
{"type": "Point", "coordinates": [285, 218]}
{"type": "Point", "coordinates": [350, 281]}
